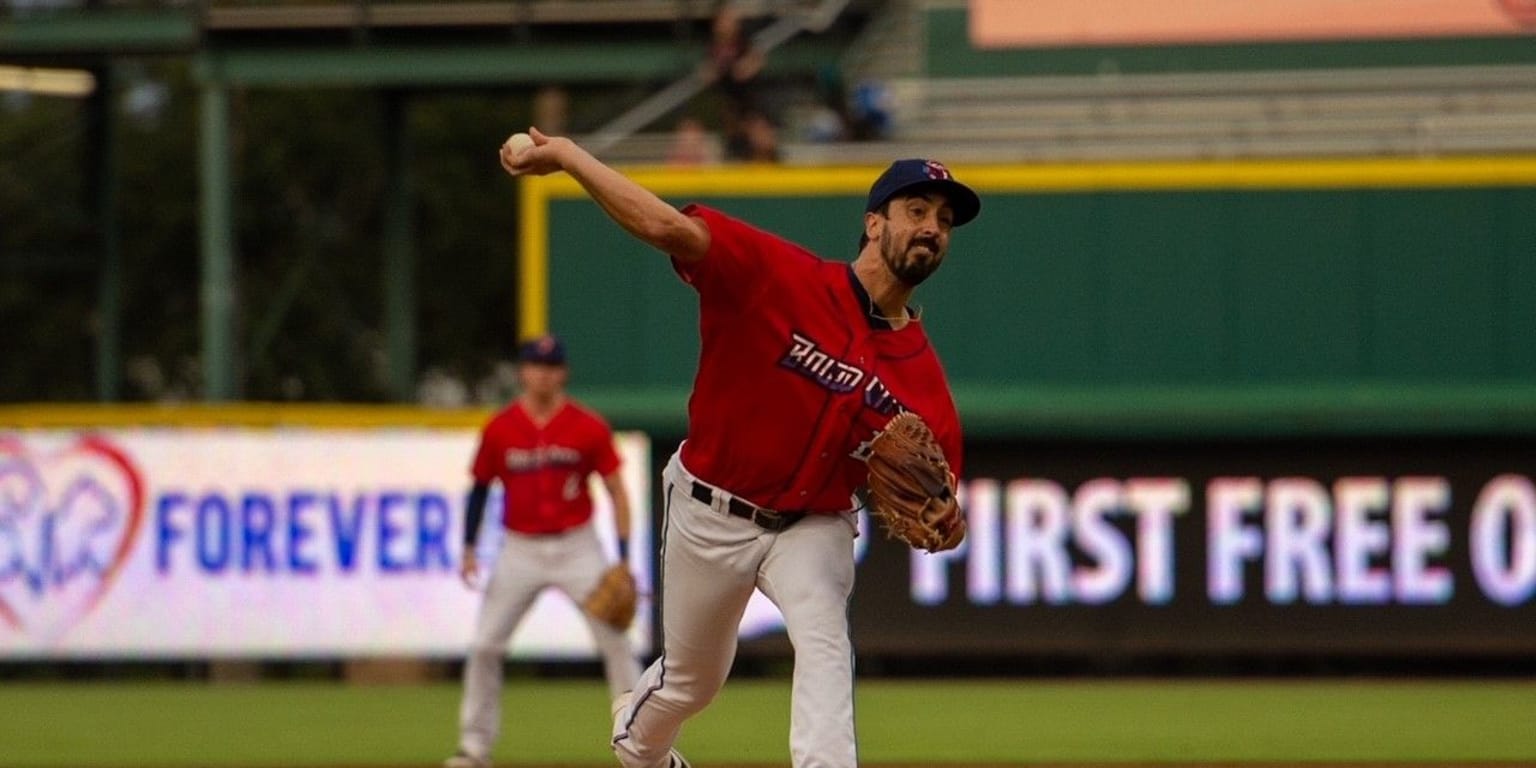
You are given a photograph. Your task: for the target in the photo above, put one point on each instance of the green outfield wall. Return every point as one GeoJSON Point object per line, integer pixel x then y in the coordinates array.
{"type": "Point", "coordinates": [1359, 295]}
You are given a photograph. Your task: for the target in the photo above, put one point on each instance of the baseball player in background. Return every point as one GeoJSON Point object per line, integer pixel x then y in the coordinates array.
{"type": "Point", "coordinates": [542, 448]}
{"type": "Point", "coordinates": [803, 361]}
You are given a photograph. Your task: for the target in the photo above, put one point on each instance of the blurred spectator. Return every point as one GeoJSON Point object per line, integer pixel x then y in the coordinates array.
{"type": "Point", "coordinates": [828, 121]}
{"type": "Point", "coordinates": [498, 386]}
{"type": "Point", "coordinates": [437, 388]}
{"type": "Point", "coordinates": [758, 140]}
{"type": "Point", "coordinates": [690, 144]}
{"type": "Point", "coordinates": [551, 110]}
{"type": "Point", "coordinates": [733, 61]}
{"type": "Point", "coordinates": [734, 66]}
{"type": "Point", "coordinates": [870, 112]}
{"type": "Point", "coordinates": [824, 125]}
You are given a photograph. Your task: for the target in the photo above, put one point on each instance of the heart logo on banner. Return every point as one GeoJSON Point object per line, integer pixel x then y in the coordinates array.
{"type": "Point", "coordinates": [68, 519]}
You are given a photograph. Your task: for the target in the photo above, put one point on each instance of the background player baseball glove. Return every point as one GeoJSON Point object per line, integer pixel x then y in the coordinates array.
{"type": "Point", "coordinates": [612, 601]}
{"type": "Point", "coordinates": [911, 490]}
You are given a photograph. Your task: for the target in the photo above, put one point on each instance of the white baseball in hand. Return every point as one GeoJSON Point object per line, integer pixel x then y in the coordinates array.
{"type": "Point", "coordinates": [518, 143]}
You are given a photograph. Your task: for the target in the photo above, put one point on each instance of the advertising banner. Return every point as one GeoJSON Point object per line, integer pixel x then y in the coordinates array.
{"type": "Point", "coordinates": [1041, 23]}
{"type": "Point", "coordinates": [1388, 547]}
{"type": "Point", "coordinates": [284, 542]}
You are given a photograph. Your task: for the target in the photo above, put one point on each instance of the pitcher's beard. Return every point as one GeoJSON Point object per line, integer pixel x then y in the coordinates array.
{"type": "Point", "coordinates": [906, 267]}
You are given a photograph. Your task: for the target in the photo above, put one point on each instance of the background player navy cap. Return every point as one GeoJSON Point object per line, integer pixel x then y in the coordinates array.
{"type": "Point", "coordinates": [547, 349]}
{"type": "Point", "coordinates": [916, 172]}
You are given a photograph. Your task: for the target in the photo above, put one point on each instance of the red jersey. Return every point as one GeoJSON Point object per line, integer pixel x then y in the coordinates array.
{"type": "Point", "coordinates": [543, 469]}
{"type": "Point", "coordinates": [797, 373]}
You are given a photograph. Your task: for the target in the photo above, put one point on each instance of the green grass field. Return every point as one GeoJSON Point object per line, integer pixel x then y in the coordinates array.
{"type": "Point", "coordinates": [983, 722]}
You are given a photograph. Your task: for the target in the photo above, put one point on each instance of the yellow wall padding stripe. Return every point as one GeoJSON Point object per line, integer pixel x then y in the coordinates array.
{"type": "Point", "coordinates": [533, 261]}
{"type": "Point", "coordinates": [255, 415]}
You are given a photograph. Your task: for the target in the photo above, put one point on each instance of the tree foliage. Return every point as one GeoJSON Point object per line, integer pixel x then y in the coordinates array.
{"type": "Point", "coordinates": [311, 176]}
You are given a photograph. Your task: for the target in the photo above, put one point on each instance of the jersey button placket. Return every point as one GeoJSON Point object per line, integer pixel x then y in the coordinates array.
{"type": "Point", "coordinates": [546, 491]}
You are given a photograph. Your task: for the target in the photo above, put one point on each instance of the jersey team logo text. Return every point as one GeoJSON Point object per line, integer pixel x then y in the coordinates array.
{"type": "Point", "coordinates": [525, 460]}
{"type": "Point", "coordinates": [806, 358]}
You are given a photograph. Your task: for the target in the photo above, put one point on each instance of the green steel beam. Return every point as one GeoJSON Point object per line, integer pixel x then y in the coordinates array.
{"type": "Point", "coordinates": [102, 172]}
{"type": "Point", "coordinates": [400, 250]}
{"type": "Point", "coordinates": [100, 31]}
{"type": "Point", "coordinates": [404, 66]}
{"type": "Point", "coordinates": [387, 66]}
{"type": "Point", "coordinates": [218, 260]}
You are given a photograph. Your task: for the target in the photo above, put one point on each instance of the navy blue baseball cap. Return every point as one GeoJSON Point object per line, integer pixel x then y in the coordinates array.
{"type": "Point", "coordinates": [904, 175]}
{"type": "Point", "coordinates": [547, 349]}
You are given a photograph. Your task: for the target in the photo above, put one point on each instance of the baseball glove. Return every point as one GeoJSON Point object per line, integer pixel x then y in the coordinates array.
{"type": "Point", "coordinates": [612, 601]}
{"type": "Point", "coordinates": [911, 490]}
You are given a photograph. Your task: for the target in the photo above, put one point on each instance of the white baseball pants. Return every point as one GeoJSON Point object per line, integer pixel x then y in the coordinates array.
{"type": "Point", "coordinates": [710, 562]}
{"type": "Point", "coordinates": [571, 561]}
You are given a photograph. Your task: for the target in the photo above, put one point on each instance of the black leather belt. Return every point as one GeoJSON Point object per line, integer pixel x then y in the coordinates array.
{"type": "Point", "coordinates": [766, 519]}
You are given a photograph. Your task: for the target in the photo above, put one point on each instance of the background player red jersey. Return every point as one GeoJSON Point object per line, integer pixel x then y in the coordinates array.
{"type": "Point", "coordinates": [543, 467]}
{"type": "Point", "coordinates": [542, 447]}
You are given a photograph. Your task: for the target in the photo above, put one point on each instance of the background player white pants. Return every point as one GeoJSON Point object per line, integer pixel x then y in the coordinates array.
{"type": "Point", "coordinates": [572, 562]}
{"type": "Point", "coordinates": [710, 563]}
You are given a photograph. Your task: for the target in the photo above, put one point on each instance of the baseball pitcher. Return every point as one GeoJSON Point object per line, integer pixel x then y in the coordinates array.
{"type": "Point", "coordinates": [804, 364]}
